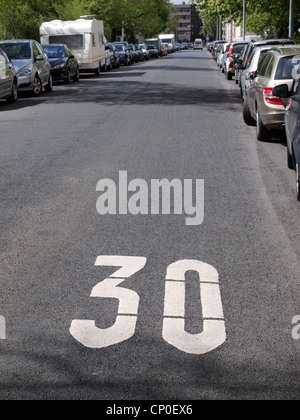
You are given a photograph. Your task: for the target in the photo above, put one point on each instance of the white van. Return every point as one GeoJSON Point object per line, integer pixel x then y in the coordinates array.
{"type": "Point", "coordinates": [85, 37]}
{"type": "Point", "coordinates": [168, 39]}
{"type": "Point", "coordinates": [198, 45]}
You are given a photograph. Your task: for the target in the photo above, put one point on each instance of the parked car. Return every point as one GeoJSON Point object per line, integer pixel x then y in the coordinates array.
{"type": "Point", "coordinates": [8, 79]}
{"type": "Point", "coordinates": [215, 47]}
{"type": "Point", "coordinates": [123, 54]}
{"type": "Point", "coordinates": [31, 64]}
{"type": "Point", "coordinates": [145, 52]}
{"type": "Point", "coordinates": [64, 65]}
{"type": "Point", "coordinates": [234, 53]}
{"type": "Point", "coordinates": [114, 56]}
{"type": "Point", "coordinates": [267, 110]}
{"type": "Point", "coordinates": [168, 47]}
{"type": "Point", "coordinates": [164, 50]}
{"type": "Point", "coordinates": [139, 52]}
{"type": "Point", "coordinates": [107, 66]}
{"type": "Point", "coordinates": [247, 79]}
{"type": "Point", "coordinates": [128, 50]}
{"type": "Point", "coordinates": [153, 51]}
{"type": "Point", "coordinates": [225, 49]}
{"type": "Point", "coordinates": [242, 62]}
{"type": "Point", "coordinates": [292, 123]}
{"type": "Point", "coordinates": [135, 55]}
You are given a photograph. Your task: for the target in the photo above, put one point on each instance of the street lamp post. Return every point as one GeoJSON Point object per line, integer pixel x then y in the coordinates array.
{"type": "Point", "coordinates": [244, 20]}
{"type": "Point", "coordinates": [291, 25]}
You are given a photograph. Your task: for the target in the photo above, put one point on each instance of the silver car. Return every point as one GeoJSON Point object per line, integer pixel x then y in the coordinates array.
{"type": "Point", "coordinates": [8, 79]}
{"type": "Point", "coordinates": [31, 64]}
{"type": "Point", "coordinates": [247, 79]}
{"type": "Point", "coordinates": [267, 110]}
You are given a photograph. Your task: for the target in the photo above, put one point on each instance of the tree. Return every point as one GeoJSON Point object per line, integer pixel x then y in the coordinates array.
{"type": "Point", "coordinates": [264, 17]}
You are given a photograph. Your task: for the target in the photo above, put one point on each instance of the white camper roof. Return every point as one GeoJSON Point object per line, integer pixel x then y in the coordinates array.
{"type": "Point", "coordinates": [70, 27]}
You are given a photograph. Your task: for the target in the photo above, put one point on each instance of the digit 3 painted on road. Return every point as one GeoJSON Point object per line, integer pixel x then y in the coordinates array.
{"type": "Point", "coordinates": [86, 332]}
{"type": "Point", "coordinates": [214, 331]}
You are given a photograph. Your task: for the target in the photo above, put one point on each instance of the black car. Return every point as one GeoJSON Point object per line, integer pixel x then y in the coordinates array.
{"type": "Point", "coordinates": [64, 65]}
{"type": "Point", "coordinates": [292, 125]}
{"type": "Point", "coordinates": [114, 56]}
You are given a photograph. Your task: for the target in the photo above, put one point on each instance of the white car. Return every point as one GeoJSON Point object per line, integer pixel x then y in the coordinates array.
{"type": "Point", "coordinates": [198, 45]}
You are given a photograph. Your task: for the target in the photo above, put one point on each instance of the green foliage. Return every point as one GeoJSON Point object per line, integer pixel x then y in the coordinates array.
{"type": "Point", "coordinates": [22, 18]}
{"type": "Point", "coordinates": [264, 17]}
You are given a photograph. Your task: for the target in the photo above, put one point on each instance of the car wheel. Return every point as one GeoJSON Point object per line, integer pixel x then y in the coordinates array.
{"type": "Point", "coordinates": [290, 160]}
{"type": "Point", "coordinates": [298, 181]}
{"type": "Point", "coordinates": [228, 76]}
{"type": "Point", "coordinates": [68, 79]}
{"type": "Point", "coordinates": [247, 114]}
{"type": "Point", "coordinates": [49, 86]}
{"type": "Point", "coordinates": [97, 71]}
{"type": "Point", "coordinates": [12, 99]}
{"type": "Point", "coordinates": [37, 86]}
{"type": "Point", "coordinates": [77, 76]}
{"type": "Point", "coordinates": [262, 133]}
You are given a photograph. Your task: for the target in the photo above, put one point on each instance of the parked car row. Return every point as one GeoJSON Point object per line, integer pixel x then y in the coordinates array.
{"type": "Point", "coordinates": [268, 73]}
{"type": "Point", "coordinates": [25, 65]}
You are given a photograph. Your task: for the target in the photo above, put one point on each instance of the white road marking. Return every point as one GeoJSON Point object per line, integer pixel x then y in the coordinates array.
{"type": "Point", "coordinates": [214, 333]}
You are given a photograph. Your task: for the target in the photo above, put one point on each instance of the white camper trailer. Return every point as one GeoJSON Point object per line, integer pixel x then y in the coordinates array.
{"type": "Point", "coordinates": [85, 37]}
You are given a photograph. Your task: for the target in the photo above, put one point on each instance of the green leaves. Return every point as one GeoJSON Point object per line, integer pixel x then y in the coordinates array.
{"type": "Point", "coordinates": [22, 18]}
{"type": "Point", "coordinates": [264, 17]}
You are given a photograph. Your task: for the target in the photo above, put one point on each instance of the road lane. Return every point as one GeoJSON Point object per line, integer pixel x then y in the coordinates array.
{"type": "Point", "coordinates": [172, 118]}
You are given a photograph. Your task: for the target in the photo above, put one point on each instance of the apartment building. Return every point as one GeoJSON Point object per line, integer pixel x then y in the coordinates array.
{"type": "Point", "coordinates": [189, 23]}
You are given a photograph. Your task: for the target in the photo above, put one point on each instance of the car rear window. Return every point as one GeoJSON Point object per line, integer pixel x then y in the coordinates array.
{"type": "Point", "coordinates": [237, 49]}
{"type": "Point", "coordinates": [286, 67]}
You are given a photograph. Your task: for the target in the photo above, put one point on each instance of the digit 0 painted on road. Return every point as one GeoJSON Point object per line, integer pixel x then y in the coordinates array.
{"type": "Point", "coordinates": [214, 331]}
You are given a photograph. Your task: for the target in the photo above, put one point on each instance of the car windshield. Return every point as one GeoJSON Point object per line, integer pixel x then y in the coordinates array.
{"type": "Point", "coordinates": [120, 48]}
{"type": "Point", "coordinates": [54, 51]}
{"type": "Point", "coordinates": [151, 47]}
{"type": "Point", "coordinates": [17, 50]}
{"type": "Point", "coordinates": [286, 67]}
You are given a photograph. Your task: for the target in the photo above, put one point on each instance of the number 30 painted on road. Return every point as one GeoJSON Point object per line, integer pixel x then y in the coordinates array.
{"type": "Point", "coordinates": [214, 331]}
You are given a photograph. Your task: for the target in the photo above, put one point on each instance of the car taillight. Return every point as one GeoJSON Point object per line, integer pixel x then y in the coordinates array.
{"type": "Point", "coordinates": [270, 98]}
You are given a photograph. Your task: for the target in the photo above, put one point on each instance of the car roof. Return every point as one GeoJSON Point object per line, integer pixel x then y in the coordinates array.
{"type": "Point", "coordinates": [286, 50]}
{"type": "Point", "coordinates": [14, 41]}
{"type": "Point", "coordinates": [274, 42]}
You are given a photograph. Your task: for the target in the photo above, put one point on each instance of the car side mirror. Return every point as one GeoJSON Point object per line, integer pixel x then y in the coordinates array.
{"type": "Point", "coordinates": [281, 91]}
{"type": "Point", "coordinates": [39, 58]}
{"type": "Point", "coordinates": [72, 57]}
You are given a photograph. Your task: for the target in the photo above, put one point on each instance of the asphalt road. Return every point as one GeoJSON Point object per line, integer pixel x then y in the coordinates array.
{"type": "Point", "coordinates": [174, 118]}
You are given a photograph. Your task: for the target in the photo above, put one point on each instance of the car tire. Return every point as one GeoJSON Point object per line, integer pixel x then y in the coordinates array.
{"type": "Point", "coordinates": [37, 86]}
{"type": "Point", "coordinates": [228, 76]}
{"type": "Point", "coordinates": [77, 76]}
{"type": "Point", "coordinates": [262, 133]}
{"type": "Point", "coordinates": [97, 71]}
{"type": "Point", "coordinates": [49, 86]}
{"type": "Point", "coordinates": [247, 114]}
{"type": "Point", "coordinates": [67, 79]}
{"type": "Point", "coordinates": [12, 99]}
{"type": "Point", "coordinates": [290, 160]}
